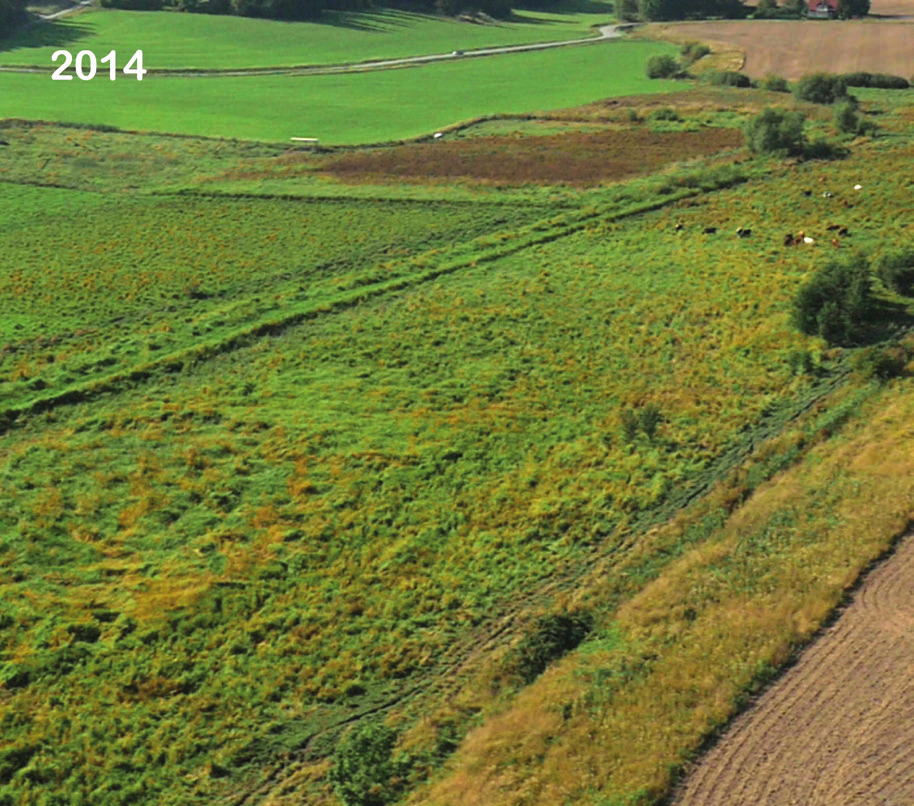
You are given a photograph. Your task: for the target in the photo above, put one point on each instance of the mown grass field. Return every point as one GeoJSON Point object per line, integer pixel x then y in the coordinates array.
{"type": "Point", "coordinates": [284, 463]}
{"type": "Point", "coordinates": [175, 41]}
{"type": "Point", "coordinates": [340, 109]}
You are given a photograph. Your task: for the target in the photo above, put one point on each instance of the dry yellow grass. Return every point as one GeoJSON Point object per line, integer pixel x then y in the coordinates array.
{"type": "Point", "coordinates": [701, 632]}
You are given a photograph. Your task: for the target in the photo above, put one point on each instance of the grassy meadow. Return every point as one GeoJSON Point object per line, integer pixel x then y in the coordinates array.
{"type": "Point", "coordinates": [341, 109]}
{"type": "Point", "coordinates": [286, 453]}
{"type": "Point", "coordinates": [200, 41]}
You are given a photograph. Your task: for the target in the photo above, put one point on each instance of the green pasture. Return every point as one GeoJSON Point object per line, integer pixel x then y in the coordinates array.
{"type": "Point", "coordinates": [339, 109]}
{"type": "Point", "coordinates": [171, 40]}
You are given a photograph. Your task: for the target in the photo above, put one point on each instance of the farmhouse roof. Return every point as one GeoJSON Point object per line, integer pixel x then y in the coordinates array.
{"type": "Point", "coordinates": [814, 4]}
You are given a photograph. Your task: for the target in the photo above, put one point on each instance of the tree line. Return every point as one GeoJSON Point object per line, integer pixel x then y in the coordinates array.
{"type": "Point", "coordinates": [307, 9]}
{"type": "Point", "coordinates": [12, 12]}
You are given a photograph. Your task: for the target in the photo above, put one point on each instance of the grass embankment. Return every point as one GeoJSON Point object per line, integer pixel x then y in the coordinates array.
{"type": "Point", "coordinates": [338, 109]}
{"type": "Point", "coordinates": [174, 41]}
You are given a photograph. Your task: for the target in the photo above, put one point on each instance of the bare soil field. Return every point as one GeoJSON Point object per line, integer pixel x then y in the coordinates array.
{"type": "Point", "coordinates": [837, 729]}
{"type": "Point", "coordinates": [793, 49]}
{"type": "Point", "coordinates": [578, 158]}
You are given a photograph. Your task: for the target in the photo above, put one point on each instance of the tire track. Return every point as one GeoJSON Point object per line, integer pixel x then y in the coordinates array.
{"type": "Point", "coordinates": [837, 729]}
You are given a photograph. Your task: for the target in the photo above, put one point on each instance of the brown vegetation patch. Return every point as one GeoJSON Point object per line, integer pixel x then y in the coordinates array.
{"type": "Point", "coordinates": [795, 48]}
{"type": "Point", "coordinates": [580, 158]}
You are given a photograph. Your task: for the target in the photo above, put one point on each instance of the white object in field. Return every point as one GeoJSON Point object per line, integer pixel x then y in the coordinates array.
{"type": "Point", "coordinates": [312, 140]}
{"type": "Point", "coordinates": [438, 135]}
{"type": "Point", "coordinates": [857, 187]}
{"type": "Point", "coordinates": [807, 239]}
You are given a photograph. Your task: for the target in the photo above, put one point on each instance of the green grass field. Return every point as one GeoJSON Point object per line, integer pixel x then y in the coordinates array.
{"type": "Point", "coordinates": [361, 108]}
{"type": "Point", "coordinates": [278, 464]}
{"type": "Point", "coordinates": [171, 41]}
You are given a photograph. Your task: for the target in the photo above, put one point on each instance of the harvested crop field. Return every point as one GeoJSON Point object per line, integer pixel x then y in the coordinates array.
{"type": "Point", "coordinates": [579, 158]}
{"type": "Point", "coordinates": [793, 49]}
{"type": "Point", "coordinates": [837, 729]}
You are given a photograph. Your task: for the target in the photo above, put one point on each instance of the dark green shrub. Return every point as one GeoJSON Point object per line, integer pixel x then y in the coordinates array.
{"type": "Point", "coordinates": [774, 84]}
{"type": "Point", "coordinates": [847, 118]}
{"type": "Point", "coordinates": [649, 419]}
{"type": "Point", "coordinates": [896, 270]}
{"type": "Point", "coordinates": [730, 78]}
{"type": "Point", "coordinates": [836, 302]}
{"type": "Point", "coordinates": [627, 10]}
{"type": "Point", "coordinates": [776, 132]}
{"type": "Point", "coordinates": [364, 772]}
{"type": "Point", "coordinates": [552, 637]}
{"type": "Point", "coordinates": [820, 88]}
{"type": "Point", "coordinates": [662, 66]}
{"type": "Point", "coordinates": [629, 425]}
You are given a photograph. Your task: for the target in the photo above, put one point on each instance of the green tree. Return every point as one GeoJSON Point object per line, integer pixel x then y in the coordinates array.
{"type": "Point", "coordinates": [662, 66]}
{"type": "Point", "coordinates": [853, 8]}
{"type": "Point", "coordinates": [12, 13]}
{"type": "Point", "coordinates": [776, 132]}
{"type": "Point", "coordinates": [836, 302]}
{"type": "Point", "coordinates": [627, 10]}
{"type": "Point", "coordinates": [820, 88]}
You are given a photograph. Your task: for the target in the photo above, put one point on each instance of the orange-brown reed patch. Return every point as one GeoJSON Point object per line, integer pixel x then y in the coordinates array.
{"type": "Point", "coordinates": [575, 158]}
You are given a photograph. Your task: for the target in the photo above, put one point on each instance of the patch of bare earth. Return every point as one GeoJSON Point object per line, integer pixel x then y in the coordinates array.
{"type": "Point", "coordinates": [838, 728]}
{"type": "Point", "coordinates": [793, 49]}
{"type": "Point", "coordinates": [577, 158]}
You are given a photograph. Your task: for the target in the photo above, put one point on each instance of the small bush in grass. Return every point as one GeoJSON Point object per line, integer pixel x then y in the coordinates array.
{"type": "Point", "coordinates": [881, 363]}
{"type": "Point", "coordinates": [552, 637]}
{"type": "Point", "coordinates": [364, 772]}
{"type": "Point", "coordinates": [730, 78]}
{"type": "Point", "coordinates": [662, 66]}
{"type": "Point", "coordinates": [649, 419]}
{"type": "Point", "coordinates": [836, 302]}
{"type": "Point", "coordinates": [776, 132]}
{"type": "Point", "coordinates": [692, 51]}
{"type": "Point", "coordinates": [774, 84]}
{"type": "Point", "coordinates": [896, 270]}
{"type": "Point", "coordinates": [820, 88]}
{"type": "Point", "coordinates": [847, 118]}
{"type": "Point", "coordinates": [665, 113]}
{"type": "Point", "coordinates": [629, 425]}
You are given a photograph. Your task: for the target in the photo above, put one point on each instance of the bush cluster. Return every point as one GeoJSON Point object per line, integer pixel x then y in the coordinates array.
{"type": "Point", "coordinates": [552, 637]}
{"type": "Point", "coordinates": [881, 81]}
{"type": "Point", "coordinates": [774, 84]}
{"type": "Point", "coordinates": [837, 302]}
{"type": "Point", "coordinates": [821, 88]}
{"type": "Point", "coordinates": [730, 78]}
{"type": "Point", "coordinates": [774, 131]}
{"type": "Point", "coordinates": [692, 51]}
{"type": "Point", "coordinates": [663, 66]}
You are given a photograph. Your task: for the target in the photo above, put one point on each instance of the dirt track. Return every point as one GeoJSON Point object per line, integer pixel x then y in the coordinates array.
{"type": "Point", "coordinates": [793, 49]}
{"type": "Point", "coordinates": [838, 728]}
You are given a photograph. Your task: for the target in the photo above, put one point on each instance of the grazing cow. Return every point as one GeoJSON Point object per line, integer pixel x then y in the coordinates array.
{"type": "Point", "coordinates": [826, 195]}
{"type": "Point", "coordinates": [836, 243]}
{"type": "Point", "coordinates": [710, 230]}
{"type": "Point", "coordinates": [789, 240]}
{"type": "Point", "coordinates": [844, 232]}
{"type": "Point", "coordinates": [831, 227]}
{"type": "Point", "coordinates": [807, 193]}
{"type": "Point", "coordinates": [678, 228]}
{"type": "Point", "coordinates": [743, 233]}
{"type": "Point", "coordinates": [3, 143]}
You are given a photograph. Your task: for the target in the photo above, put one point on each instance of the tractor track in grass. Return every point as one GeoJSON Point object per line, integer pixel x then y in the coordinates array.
{"type": "Point", "coordinates": [837, 728]}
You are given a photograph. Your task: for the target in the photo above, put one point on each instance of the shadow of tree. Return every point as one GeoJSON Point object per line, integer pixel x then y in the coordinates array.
{"type": "Point", "coordinates": [55, 34]}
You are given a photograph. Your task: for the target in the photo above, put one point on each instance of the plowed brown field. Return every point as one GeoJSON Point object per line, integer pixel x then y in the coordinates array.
{"type": "Point", "coordinates": [794, 48]}
{"type": "Point", "coordinates": [838, 728]}
{"type": "Point", "coordinates": [581, 158]}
